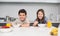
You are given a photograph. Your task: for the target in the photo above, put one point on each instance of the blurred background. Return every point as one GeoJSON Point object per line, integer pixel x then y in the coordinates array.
{"type": "Point", "coordinates": [9, 9]}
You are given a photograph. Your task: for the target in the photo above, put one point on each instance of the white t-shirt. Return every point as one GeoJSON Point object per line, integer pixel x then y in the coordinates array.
{"type": "Point", "coordinates": [19, 22]}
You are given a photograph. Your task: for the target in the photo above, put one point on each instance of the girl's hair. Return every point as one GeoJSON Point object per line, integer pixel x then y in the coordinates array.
{"type": "Point", "coordinates": [43, 18]}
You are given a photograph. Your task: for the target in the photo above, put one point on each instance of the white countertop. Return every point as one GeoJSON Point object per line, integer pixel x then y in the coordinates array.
{"type": "Point", "coordinates": [59, 31]}
{"type": "Point", "coordinates": [30, 31]}
{"type": "Point", "coordinates": [55, 21]}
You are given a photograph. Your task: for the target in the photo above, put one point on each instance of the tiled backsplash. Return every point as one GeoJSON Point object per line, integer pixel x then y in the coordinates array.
{"type": "Point", "coordinates": [11, 9]}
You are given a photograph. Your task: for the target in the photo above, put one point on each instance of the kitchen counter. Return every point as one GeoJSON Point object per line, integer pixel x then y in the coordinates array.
{"type": "Point", "coordinates": [29, 31]}
{"type": "Point", "coordinates": [59, 31]}
{"type": "Point", "coordinates": [56, 22]}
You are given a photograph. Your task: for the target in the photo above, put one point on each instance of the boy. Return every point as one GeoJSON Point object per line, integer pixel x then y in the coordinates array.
{"type": "Point", "coordinates": [22, 20]}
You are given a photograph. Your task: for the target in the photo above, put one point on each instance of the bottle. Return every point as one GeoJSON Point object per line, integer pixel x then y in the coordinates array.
{"type": "Point", "coordinates": [49, 24]}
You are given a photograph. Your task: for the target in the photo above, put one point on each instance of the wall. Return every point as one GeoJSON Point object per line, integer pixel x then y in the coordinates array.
{"type": "Point", "coordinates": [51, 1]}
{"type": "Point", "coordinates": [58, 0]}
{"type": "Point", "coordinates": [58, 12]}
{"type": "Point", "coordinates": [11, 9]}
{"type": "Point", "coordinates": [59, 9]}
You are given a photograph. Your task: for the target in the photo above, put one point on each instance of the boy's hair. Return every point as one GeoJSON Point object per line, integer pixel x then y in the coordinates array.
{"type": "Point", "coordinates": [22, 11]}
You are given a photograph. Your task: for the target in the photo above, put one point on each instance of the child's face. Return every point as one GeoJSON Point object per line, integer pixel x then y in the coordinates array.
{"type": "Point", "coordinates": [22, 16]}
{"type": "Point", "coordinates": [40, 15]}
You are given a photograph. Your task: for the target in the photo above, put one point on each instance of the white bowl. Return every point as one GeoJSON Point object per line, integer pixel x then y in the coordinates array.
{"type": "Point", "coordinates": [41, 25]}
{"type": "Point", "coordinates": [6, 29]}
{"type": "Point", "coordinates": [16, 26]}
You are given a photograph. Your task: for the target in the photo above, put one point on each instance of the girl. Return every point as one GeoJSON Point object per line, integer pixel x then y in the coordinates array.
{"type": "Point", "coordinates": [40, 18]}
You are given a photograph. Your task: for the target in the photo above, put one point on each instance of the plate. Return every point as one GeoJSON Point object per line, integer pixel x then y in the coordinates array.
{"type": "Point", "coordinates": [6, 29]}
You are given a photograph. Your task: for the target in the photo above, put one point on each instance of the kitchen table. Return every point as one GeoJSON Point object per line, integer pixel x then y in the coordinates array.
{"type": "Point", "coordinates": [28, 31]}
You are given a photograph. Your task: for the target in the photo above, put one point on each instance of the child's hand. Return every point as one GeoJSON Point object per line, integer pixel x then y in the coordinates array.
{"type": "Point", "coordinates": [35, 23]}
{"type": "Point", "coordinates": [24, 25]}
